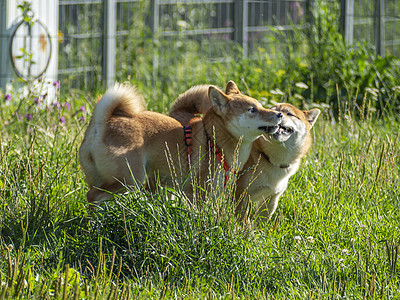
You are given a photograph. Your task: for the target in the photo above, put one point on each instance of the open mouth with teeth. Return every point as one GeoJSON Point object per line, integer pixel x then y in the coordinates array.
{"type": "Point", "coordinates": [283, 130]}
{"type": "Point", "coordinates": [269, 129]}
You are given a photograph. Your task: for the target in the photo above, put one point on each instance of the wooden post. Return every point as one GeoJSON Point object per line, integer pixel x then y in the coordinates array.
{"type": "Point", "coordinates": [241, 24]}
{"type": "Point", "coordinates": [110, 29]}
{"type": "Point", "coordinates": [380, 28]}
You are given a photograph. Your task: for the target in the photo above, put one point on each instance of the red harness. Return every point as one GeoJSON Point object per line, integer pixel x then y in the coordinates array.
{"type": "Point", "coordinates": [188, 142]}
{"type": "Point", "coordinates": [223, 162]}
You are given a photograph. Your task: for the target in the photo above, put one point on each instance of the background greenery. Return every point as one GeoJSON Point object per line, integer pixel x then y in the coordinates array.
{"type": "Point", "coordinates": [303, 45]}
{"type": "Point", "coordinates": [335, 233]}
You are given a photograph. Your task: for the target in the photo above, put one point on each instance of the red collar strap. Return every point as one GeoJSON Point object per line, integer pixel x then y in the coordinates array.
{"type": "Point", "coordinates": [188, 142]}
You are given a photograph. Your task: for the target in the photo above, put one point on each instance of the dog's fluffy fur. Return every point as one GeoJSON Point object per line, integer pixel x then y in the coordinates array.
{"type": "Point", "coordinates": [125, 143]}
{"type": "Point", "coordinates": [274, 157]}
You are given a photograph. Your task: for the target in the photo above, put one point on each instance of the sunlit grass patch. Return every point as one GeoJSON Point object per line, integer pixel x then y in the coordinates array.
{"type": "Point", "coordinates": [335, 232]}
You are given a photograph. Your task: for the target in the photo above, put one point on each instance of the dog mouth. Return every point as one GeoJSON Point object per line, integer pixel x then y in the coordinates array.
{"type": "Point", "coordinates": [269, 129]}
{"type": "Point", "coordinates": [284, 130]}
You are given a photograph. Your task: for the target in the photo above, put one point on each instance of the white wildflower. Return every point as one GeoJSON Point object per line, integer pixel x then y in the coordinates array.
{"type": "Point", "coordinates": [277, 92]}
{"type": "Point", "coordinates": [301, 85]}
{"type": "Point", "coordinates": [182, 23]}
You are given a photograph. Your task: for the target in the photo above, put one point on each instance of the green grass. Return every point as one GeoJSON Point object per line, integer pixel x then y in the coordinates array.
{"type": "Point", "coordinates": [335, 233]}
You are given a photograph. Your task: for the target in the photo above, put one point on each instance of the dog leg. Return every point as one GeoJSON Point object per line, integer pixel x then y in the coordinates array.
{"type": "Point", "coordinates": [267, 208]}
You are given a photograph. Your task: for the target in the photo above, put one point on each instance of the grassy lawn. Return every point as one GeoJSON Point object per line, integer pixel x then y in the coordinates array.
{"type": "Point", "coordinates": [336, 232]}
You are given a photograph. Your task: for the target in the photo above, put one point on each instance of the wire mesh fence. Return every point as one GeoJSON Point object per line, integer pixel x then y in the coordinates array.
{"type": "Point", "coordinates": [80, 37]}
{"type": "Point", "coordinates": [369, 16]}
{"type": "Point", "coordinates": [105, 40]}
{"type": "Point", "coordinates": [164, 33]}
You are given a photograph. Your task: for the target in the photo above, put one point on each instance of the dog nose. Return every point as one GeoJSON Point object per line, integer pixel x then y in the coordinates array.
{"type": "Point", "coordinates": [279, 115]}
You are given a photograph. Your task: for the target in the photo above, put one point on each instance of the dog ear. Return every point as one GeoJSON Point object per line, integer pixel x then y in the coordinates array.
{"type": "Point", "coordinates": [231, 88]}
{"type": "Point", "coordinates": [218, 99]}
{"type": "Point", "coordinates": [312, 115]}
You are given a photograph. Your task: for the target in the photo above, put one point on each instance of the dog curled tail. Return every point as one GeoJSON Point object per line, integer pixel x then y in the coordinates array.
{"type": "Point", "coordinates": [120, 100]}
{"type": "Point", "coordinates": [192, 102]}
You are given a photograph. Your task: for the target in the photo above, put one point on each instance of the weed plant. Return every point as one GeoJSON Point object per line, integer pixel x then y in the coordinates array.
{"type": "Point", "coordinates": [335, 233]}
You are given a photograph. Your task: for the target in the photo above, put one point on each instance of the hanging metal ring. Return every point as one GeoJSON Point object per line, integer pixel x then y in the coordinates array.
{"type": "Point", "coordinates": [14, 58]}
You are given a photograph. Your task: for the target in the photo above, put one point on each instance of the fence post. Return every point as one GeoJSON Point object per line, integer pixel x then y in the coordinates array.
{"type": "Point", "coordinates": [348, 20]}
{"type": "Point", "coordinates": [309, 17]}
{"type": "Point", "coordinates": [110, 29]}
{"type": "Point", "coordinates": [241, 24]}
{"type": "Point", "coordinates": [154, 16]}
{"type": "Point", "coordinates": [380, 28]}
{"type": "Point", "coordinates": [7, 14]}
{"type": "Point", "coordinates": [154, 24]}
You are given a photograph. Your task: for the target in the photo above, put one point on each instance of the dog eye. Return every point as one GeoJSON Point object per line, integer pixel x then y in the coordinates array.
{"type": "Point", "coordinates": [253, 110]}
{"type": "Point", "coordinates": [290, 114]}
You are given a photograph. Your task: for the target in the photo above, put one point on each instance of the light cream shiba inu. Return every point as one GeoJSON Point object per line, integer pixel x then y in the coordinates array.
{"type": "Point", "coordinates": [125, 143]}
{"type": "Point", "coordinates": [274, 157]}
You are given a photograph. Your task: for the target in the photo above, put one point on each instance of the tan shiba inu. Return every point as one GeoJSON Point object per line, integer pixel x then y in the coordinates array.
{"type": "Point", "coordinates": [274, 157]}
{"type": "Point", "coordinates": [125, 143]}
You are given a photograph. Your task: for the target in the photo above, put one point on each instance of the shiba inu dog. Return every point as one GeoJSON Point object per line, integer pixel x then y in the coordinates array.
{"type": "Point", "coordinates": [274, 158]}
{"type": "Point", "coordinates": [124, 143]}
